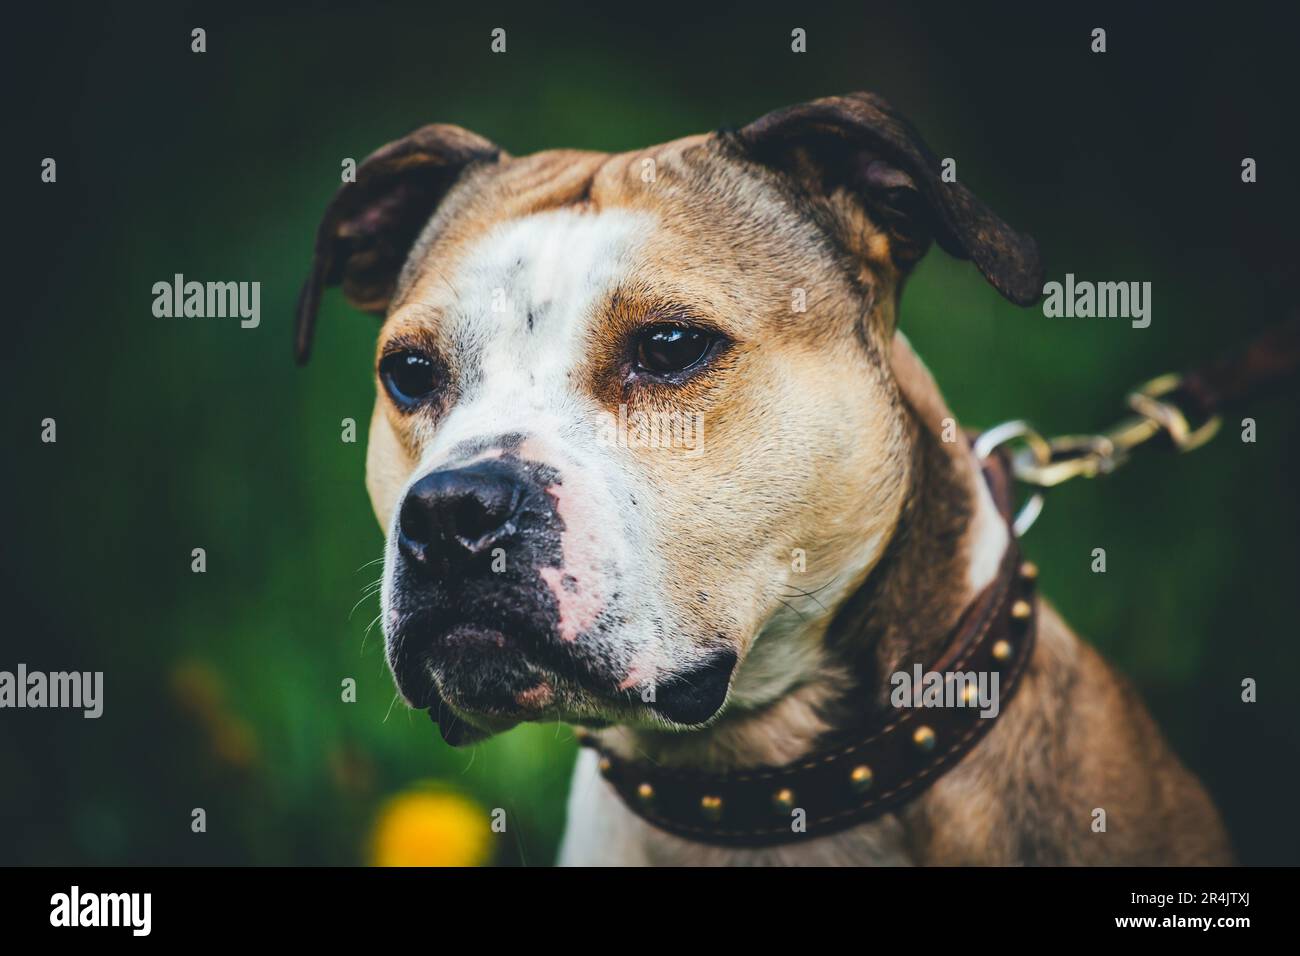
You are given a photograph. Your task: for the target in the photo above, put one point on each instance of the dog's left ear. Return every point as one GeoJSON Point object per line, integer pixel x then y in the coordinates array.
{"type": "Point", "coordinates": [371, 223]}
{"type": "Point", "coordinates": [859, 145]}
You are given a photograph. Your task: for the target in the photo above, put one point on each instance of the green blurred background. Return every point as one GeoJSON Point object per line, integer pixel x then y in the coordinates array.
{"type": "Point", "coordinates": [223, 688]}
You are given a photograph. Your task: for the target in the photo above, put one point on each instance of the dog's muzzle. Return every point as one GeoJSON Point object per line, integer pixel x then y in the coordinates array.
{"type": "Point", "coordinates": [471, 623]}
{"type": "Point", "coordinates": [475, 631]}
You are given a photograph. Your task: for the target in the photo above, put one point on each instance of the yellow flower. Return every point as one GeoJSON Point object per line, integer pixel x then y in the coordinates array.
{"type": "Point", "coordinates": [430, 828]}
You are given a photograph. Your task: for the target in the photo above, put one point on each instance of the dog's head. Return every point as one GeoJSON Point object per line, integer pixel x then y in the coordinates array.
{"type": "Point", "coordinates": [629, 405]}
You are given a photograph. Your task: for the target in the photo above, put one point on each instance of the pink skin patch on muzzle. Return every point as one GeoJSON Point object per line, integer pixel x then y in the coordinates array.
{"type": "Point", "coordinates": [535, 698]}
{"type": "Point", "coordinates": [640, 673]}
{"type": "Point", "coordinates": [573, 582]}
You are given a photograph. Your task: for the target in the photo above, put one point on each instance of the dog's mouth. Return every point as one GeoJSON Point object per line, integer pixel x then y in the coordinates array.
{"type": "Point", "coordinates": [476, 680]}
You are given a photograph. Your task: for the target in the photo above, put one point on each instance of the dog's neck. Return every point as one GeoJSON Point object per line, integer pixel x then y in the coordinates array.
{"type": "Point", "coordinates": [835, 667]}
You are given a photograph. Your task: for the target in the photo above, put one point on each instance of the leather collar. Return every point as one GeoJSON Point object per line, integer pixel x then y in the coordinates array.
{"type": "Point", "coordinates": [888, 761]}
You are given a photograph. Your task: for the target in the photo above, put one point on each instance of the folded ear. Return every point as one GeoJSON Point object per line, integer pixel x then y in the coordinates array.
{"type": "Point", "coordinates": [857, 143]}
{"type": "Point", "coordinates": [371, 224]}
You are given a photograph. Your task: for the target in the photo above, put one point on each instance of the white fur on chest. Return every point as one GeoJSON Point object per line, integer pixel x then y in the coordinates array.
{"type": "Point", "coordinates": [601, 831]}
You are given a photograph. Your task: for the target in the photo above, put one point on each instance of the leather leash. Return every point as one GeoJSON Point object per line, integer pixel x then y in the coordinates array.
{"type": "Point", "coordinates": [1258, 371]}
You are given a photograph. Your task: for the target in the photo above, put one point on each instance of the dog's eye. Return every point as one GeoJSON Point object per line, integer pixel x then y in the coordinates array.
{"type": "Point", "coordinates": [663, 349]}
{"type": "Point", "coordinates": [408, 377]}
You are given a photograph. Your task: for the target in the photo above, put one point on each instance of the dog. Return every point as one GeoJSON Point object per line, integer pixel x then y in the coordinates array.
{"type": "Point", "coordinates": [536, 569]}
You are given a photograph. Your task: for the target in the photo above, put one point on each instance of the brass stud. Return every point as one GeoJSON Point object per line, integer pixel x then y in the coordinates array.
{"type": "Point", "coordinates": [924, 738]}
{"type": "Point", "coordinates": [605, 767]}
{"type": "Point", "coordinates": [1021, 610]}
{"type": "Point", "coordinates": [645, 793]}
{"type": "Point", "coordinates": [1029, 571]}
{"type": "Point", "coordinates": [861, 778]}
{"type": "Point", "coordinates": [969, 694]}
{"type": "Point", "coordinates": [711, 808]}
{"type": "Point", "coordinates": [1002, 651]}
{"type": "Point", "coordinates": [783, 800]}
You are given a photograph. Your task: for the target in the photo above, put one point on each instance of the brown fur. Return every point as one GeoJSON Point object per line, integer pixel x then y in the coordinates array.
{"type": "Point", "coordinates": [1075, 739]}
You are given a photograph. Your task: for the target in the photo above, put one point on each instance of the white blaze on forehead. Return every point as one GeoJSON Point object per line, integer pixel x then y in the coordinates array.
{"type": "Point", "coordinates": [524, 302]}
{"type": "Point", "coordinates": [527, 299]}
{"type": "Point", "coordinates": [532, 290]}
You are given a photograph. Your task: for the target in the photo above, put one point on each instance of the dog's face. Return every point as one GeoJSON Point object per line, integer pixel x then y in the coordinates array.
{"type": "Point", "coordinates": [629, 406]}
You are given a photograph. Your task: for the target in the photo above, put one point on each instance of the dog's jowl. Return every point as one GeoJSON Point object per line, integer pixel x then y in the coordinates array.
{"type": "Point", "coordinates": [704, 608]}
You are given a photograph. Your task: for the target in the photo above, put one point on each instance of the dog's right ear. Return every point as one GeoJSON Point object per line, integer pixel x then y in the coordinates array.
{"type": "Point", "coordinates": [859, 146]}
{"type": "Point", "coordinates": [371, 224]}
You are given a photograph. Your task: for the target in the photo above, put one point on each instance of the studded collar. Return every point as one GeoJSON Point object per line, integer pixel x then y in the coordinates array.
{"type": "Point", "coordinates": [887, 761]}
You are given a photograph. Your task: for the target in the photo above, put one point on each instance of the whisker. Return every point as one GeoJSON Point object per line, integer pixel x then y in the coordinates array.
{"type": "Point", "coordinates": [370, 591]}
{"type": "Point", "coordinates": [396, 697]}
{"type": "Point", "coordinates": [366, 634]}
{"type": "Point", "coordinates": [791, 607]}
{"type": "Point", "coordinates": [811, 595]}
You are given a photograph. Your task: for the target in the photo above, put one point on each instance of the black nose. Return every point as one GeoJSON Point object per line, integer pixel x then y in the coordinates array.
{"type": "Point", "coordinates": [450, 518]}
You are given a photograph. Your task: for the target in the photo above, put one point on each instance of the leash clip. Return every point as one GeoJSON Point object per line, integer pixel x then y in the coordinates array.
{"type": "Point", "coordinates": [1038, 449]}
{"type": "Point", "coordinates": [1045, 463]}
{"type": "Point", "coordinates": [1168, 417]}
